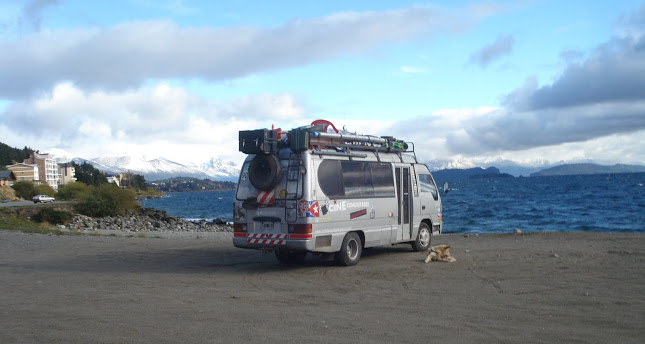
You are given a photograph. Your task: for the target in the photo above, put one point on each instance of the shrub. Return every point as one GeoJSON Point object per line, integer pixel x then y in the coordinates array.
{"type": "Point", "coordinates": [24, 189]}
{"type": "Point", "coordinates": [52, 216]}
{"type": "Point", "coordinates": [107, 200]}
{"type": "Point", "coordinates": [43, 189]}
{"type": "Point", "coordinates": [72, 191]}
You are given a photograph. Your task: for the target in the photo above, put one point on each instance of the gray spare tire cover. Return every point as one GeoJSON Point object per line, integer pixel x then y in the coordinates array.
{"type": "Point", "coordinates": [264, 171]}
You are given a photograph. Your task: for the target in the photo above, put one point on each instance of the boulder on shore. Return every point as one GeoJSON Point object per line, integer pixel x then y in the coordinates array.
{"type": "Point", "coordinates": [148, 220]}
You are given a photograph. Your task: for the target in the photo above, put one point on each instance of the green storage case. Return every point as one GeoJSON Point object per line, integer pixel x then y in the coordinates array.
{"type": "Point", "coordinates": [299, 140]}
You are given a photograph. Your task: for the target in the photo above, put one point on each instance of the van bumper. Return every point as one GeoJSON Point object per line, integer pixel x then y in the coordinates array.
{"type": "Point", "coordinates": [274, 244]}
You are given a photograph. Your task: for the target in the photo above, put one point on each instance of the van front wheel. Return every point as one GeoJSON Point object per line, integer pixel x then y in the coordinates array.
{"type": "Point", "coordinates": [350, 250]}
{"type": "Point", "coordinates": [422, 243]}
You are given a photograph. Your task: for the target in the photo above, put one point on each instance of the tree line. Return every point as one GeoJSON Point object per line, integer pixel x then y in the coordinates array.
{"type": "Point", "coordinates": [90, 175]}
{"type": "Point", "coordinates": [10, 155]}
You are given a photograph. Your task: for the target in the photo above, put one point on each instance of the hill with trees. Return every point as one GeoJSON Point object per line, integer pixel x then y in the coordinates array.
{"type": "Point", "coordinates": [185, 184]}
{"type": "Point", "coordinates": [10, 155]}
{"type": "Point", "coordinates": [454, 174]}
{"type": "Point", "coordinates": [576, 169]}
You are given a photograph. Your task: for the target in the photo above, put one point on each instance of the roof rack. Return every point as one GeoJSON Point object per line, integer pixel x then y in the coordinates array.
{"type": "Point", "coordinates": [321, 139]}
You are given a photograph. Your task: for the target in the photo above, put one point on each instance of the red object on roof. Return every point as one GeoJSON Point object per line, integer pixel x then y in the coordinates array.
{"type": "Point", "coordinates": [329, 127]}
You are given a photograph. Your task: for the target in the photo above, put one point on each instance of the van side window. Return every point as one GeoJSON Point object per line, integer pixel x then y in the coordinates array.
{"type": "Point", "coordinates": [355, 179]}
{"type": "Point", "coordinates": [330, 179]}
{"type": "Point", "coordinates": [382, 179]}
{"type": "Point", "coordinates": [427, 185]}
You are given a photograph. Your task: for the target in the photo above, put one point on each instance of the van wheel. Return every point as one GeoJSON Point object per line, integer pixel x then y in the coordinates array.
{"type": "Point", "coordinates": [350, 250]}
{"type": "Point", "coordinates": [422, 243]}
{"type": "Point", "coordinates": [264, 171]}
{"type": "Point", "coordinates": [291, 257]}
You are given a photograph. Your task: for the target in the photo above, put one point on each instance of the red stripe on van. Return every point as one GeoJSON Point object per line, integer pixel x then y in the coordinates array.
{"type": "Point", "coordinates": [300, 236]}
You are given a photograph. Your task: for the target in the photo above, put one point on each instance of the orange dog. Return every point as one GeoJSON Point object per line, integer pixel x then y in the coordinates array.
{"type": "Point", "coordinates": [440, 253]}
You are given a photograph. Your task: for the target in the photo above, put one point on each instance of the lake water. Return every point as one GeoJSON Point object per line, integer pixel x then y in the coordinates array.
{"type": "Point", "coordinates": [609, 203]}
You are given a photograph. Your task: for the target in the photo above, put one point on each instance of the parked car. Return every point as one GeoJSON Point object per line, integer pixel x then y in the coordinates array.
{"type": "Point", "coordinates": [43, 199]}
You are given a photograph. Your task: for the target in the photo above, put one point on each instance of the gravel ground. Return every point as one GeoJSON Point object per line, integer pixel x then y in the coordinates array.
{"type": "Point", "coordinates": [198, 288]}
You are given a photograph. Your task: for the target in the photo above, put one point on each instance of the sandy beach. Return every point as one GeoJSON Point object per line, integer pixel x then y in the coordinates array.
{"type": "Point", "coordinates": [565, 287]}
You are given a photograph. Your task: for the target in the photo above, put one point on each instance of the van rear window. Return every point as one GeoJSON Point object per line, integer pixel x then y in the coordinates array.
{"type": "Point", "coordinates": [355, 179]}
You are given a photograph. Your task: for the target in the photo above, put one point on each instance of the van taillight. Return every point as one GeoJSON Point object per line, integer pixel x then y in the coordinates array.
{"type": "Point", "coordinates": [300, 231]}
{"type": "Point", "coordinates": [304, 228]}
{"type": "Point", "coordinates": [239, 227]}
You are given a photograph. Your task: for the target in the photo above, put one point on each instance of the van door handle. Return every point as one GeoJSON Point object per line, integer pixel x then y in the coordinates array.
{"type": "Point", "coordinates": [423, 207]}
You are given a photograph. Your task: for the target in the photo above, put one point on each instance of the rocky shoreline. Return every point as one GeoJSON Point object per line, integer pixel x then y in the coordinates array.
{"type": "Point", "coordinates": [147, 221]}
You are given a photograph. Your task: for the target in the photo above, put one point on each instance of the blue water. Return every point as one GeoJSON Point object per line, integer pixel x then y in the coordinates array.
{"type": "Point", "coordinates": [608, 203]}
{"type": "Point", "coordinates": [206, 205]}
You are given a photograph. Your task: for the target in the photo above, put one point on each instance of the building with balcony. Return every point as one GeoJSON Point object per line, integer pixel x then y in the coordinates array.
{"type": "Point", "coordinates": [47, 169]}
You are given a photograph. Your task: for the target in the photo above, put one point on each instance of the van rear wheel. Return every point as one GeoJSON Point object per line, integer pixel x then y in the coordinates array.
{"type": "Point", "coordinates": [422, 242]}
{"type": "Point", "coordinates": [350, 250]}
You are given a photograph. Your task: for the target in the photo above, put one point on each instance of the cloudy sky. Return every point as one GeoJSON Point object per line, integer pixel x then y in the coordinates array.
{"type": "Point", "coordinates": [526, 80]}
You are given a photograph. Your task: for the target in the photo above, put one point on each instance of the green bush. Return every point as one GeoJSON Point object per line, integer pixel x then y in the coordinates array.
{"type": "Point", "coordinates": [24, 189]}
{"type": "Point", "coordinates": [43, 189]}
{"type": "Point", "coordinates": [27, 190]}
{"type": "Point", "coordinates": [107, 200]}
{"type": "Point", "coordinates": [54, 217]}
{"type": "Point", "coordinates": [72, 191]}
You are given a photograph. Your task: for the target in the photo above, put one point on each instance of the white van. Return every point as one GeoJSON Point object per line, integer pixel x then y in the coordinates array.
{"type": "Point", "coordinates": [314, 189]}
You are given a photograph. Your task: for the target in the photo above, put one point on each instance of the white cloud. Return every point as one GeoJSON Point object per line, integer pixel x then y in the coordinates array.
{"type": "Point", "coordinates": [130, 53]}
{"type": "Point", "coordinates": [81, 90]}
{"type": "Point", "coordinates": [597, 97]}
{"type": "Point", "coordinates": [160, 118]}
{"type": "Point", "coordinates": [94, 129]}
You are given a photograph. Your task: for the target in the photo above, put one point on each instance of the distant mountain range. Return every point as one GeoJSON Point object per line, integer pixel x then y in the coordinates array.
{"type": "Point", "coordinates": [216, 169]}
{"type": "Point", "coordinates": [454, 174]}
{"type": "Point", "coordinates": [160, 168]}
{"type": "Point", "coordinates": [571, 169]}
{"type": "Point", "coordinates": [183, 184]}
{"type": "Point", "coordinates": [515, 168]}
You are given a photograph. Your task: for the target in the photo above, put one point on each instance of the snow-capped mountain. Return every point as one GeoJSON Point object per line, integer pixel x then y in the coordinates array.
{"type": "Point", "coordinates": [457, 163]}
{"type": "Point", "coordinates": [160, 168]}
{"type": "Point", "coordinates": [221, 170]}
{"type": "Point", "coordinates": [217, 169]}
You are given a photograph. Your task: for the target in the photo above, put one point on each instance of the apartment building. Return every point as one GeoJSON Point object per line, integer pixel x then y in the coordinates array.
{"type": "Point", "coordinates": [40, 168]}
{"type": "Point", "coordinates": [26, 172]}
{"type": "Point", "coordinates": [67, 173]}
{"type": "Point", "coordinates": [47, 169]}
